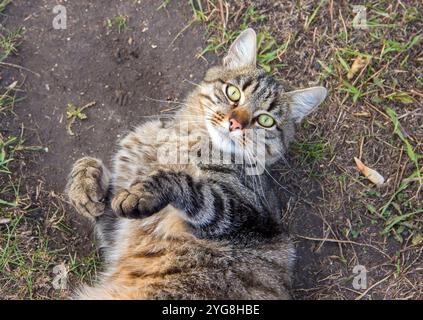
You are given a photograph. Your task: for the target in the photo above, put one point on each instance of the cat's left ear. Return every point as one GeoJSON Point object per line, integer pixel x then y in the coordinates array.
{"type": "Point", "coordinates": [243, 52]}
{"type": "Point", "coordinates": [303, 102]}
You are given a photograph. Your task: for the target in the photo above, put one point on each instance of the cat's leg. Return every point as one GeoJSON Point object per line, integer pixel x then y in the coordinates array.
{"type": "Point", "coordinates": [87, 187]}
{"type": "Point", "coordinates": [138, 154]}
{"type": "Point", "coordinates": [207, 203]}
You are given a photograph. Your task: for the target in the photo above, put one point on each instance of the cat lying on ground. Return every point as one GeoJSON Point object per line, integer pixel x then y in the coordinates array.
{"type": "Point", "coordinates": [183, 223]}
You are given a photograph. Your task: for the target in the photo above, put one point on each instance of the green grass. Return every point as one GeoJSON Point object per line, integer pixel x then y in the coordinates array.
{"type": "Point", "coordinates": [312, 17]}
{"type": "Point", "coordinates": [74, 113]}
{"type": "Point", "coordinates": [372, 81]}
{"type": "Point", "coordinates": [399, 211]}
{"type": "Point", "coordinates": [19, 262]}
{"type": "Point", "coordinates": [120, 22]}
{"type": "Point", "coordinates": [6, 153]}
{"type": "Point", "coordinates": [25, 254]}
{"type": "Point", "coordinates": [9, 41]}
{"type": "Point", "coordinates": [352, 90]}
{"type": "Point", "coordinates": [24, 264]}
{"type": "Point", "coordinates": [392, 46]}
{"type": "Point", "coordinates": [26, 257]}
{"type": "Point", "coordinates": [9, 190]}
{"type": "Point", "coordinates": [389, 53]}
{"type": "Point", "coordinates": [312, 154]}
{"type": "Point", "coordinates": [401, 214]}
{"type": "Point", "coordinates": [197, 9]}
{"type": "Point", "coordinates": [85, 267]}
{"type": "Point", "coordinates": [8, 145]}
{"type": "Point", "coordinates": [220, 37]}
{"type": "Point", "coordinates": [4, 4]}
{"type": "Point", "coordinates": [15, 262]}
{"type": "Point", "coordinates": [399, 96]}
{"type": "Point", "coordinates": [163, 5]}
{"type": "Point", "coordinates": [414, 157]}
{"type": "Point", "coordinates": [8, 98]}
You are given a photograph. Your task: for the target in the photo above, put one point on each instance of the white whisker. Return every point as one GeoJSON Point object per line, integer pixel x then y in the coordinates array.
{"type": "Point", "coordinates": [193, 83]}
{"type": "Point", "coordinates": [270, 175]}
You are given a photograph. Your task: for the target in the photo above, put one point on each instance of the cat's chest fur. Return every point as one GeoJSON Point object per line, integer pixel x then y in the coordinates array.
{"type": "Point", "coordinates": [159, 145]}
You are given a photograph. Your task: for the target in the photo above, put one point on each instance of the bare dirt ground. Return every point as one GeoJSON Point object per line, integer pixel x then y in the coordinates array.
{"type": "Point", "coordinates": [130, 57]}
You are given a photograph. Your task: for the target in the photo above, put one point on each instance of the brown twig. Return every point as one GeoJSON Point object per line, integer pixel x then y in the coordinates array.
{"type": "Point", "coordinates": [6, 64]}
{"type": "Point", "coordinates": [345, 242]}
{"type": "Point", "coordinates": [372, 286]}
{"type": "Point", "coordinates": [222, 14]}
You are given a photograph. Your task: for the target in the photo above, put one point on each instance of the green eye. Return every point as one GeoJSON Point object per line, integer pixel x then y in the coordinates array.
{"type": "Point", "coordinates": [265, 120]}
{"type": "Point", "coordinates": [233, 93]}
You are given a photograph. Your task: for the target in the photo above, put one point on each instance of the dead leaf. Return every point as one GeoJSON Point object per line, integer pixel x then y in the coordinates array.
{"type": "Point", "coordinates": [417, 238]}
{"type": "Point", "coordinates": [4, 221]}
{"type": "Point", "coordinates": [362, 114]}
{"type": "Point", "coordinates": [402, 97]}
{"type": "Point", "coordinates": [358, 64]}
{"type": "Point", "coordinates": [12, 85]}
{"type": "Point", "coordinates": [369, 173]}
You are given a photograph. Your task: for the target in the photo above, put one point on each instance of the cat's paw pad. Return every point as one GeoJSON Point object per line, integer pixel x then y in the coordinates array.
{"type": "Point", "coordinates": [132, 203]}
{"type": "Point", "coordinates": [87, 187]}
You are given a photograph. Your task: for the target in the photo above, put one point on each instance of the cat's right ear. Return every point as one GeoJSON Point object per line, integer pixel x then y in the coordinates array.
{"type": "Point", "coordinates": [303, 102]}
{"type": "Point", "coordinates": [243, 52]}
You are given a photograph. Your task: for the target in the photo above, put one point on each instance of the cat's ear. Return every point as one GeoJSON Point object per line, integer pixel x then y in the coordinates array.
{"type": "Point", "coordinates": [243, 52]}
{"type": "Point", "coordinates": [303, 102]}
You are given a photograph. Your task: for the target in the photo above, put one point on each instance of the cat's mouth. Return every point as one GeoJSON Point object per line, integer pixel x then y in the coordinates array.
{"type": "Point", "coordinates": [223, 139]}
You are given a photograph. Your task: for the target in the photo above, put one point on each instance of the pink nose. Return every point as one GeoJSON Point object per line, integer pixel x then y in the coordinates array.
{"type": "Point", "coordinates": [234, 125]}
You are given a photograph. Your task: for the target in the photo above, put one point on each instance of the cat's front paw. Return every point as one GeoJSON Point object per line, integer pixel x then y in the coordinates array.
{"type": "Point", "coordinates": [87, 187]}
{"type": "Point", "coordinates": [134, 203]}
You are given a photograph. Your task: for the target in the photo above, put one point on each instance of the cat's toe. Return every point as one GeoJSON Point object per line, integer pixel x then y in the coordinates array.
{"type": "Point", "coordinates": [125, 203]}
{"type": "Point", "coordinates": [85, 206]}
{"type": "Point", "coordinates": [133, 204]}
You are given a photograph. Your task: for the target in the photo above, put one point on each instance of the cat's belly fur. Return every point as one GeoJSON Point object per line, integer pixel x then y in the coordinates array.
{"type": "Point", "coordinates": [157, 258]}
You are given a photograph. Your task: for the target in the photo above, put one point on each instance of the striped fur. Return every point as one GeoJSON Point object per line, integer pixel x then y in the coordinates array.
{"type": "Point", "coordinates": [198, 228]}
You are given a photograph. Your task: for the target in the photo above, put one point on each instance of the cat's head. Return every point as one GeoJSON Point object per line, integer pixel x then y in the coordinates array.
{"type": "Point", "coordinates": [238, 98]}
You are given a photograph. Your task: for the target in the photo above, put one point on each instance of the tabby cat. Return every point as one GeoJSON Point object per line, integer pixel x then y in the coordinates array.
{"type": "Point", "coordinates": [197, 229]}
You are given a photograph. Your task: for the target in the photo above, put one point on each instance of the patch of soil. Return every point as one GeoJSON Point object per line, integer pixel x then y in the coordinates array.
{"type": "Point", "coordinates": [121, 72]}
